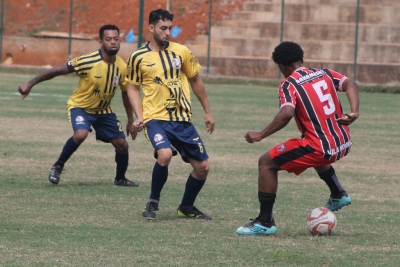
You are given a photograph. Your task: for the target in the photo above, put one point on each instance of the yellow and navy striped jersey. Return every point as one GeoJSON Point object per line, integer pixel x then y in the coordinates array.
{"type": "Point", "coordinates": [164, 77]}
{"type": "Point", "coordinates": [98, 82]}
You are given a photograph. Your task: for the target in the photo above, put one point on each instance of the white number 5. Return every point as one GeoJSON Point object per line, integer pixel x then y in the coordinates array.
{"type": "Point", "coordinates": [319, 87]}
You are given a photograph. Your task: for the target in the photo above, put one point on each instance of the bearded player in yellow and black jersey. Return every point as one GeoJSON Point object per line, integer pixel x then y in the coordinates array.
{"type": "Point", "coordinates": [164, 70]}
{"type": "Point", "coordinates": [100, 73]}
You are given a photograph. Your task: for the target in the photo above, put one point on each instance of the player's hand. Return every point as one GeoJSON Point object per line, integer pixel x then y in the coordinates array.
{"type": "Point", "coordinates": [252, 137]}
{"type": "Point", "coordinates": [24, 90]}
{"type": "Point", "coordinates": [210, 123]}
{"type": "Point", "coordinates": [348, 118]}
{"type": "Point", "coordinates": [130, 130]}
{"type": "Point", "coordinates": [138, 125]}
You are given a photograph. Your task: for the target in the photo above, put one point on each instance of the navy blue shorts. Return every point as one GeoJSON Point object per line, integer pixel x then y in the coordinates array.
{"type": "Point", "coordinates": [107, 126]}
{"type": "Point", "coordinates": [179, 135]}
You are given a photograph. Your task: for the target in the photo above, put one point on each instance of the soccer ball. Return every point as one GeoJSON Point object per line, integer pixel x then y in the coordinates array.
{"type": "Point", "coordinates": [321, 221]}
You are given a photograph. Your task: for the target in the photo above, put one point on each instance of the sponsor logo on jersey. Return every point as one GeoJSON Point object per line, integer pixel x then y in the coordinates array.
{"type": "Point", "coordinates": [193, 60]}
{"type": "Point", "coordinates": [336, 150]}
{"type": "Point", "coordinates": [310, 76]}
{"type": "Point", "coordinates": [150, 65]}
{"type": "Point", "coordinates": [174, 83]}
{"type": "Point", "coordinates": [96, 91]}
{"type": "Point", "coordinates": [97, 77]}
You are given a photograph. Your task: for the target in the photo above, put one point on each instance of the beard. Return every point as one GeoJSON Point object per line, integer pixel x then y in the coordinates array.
{"type": "Point", "coordinates": [111, 52]}
{"type": "Point", "coordinates": [160, 42]}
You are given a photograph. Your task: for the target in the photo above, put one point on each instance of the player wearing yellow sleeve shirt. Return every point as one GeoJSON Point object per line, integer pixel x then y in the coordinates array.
{"type": "Point", "coordinates": [100, 73]}
{"type": "Point", "coordinates": [164, 70]}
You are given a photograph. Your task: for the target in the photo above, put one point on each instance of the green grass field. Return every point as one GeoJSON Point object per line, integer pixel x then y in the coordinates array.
{"type": "Point", "coordinates": [86, 221]}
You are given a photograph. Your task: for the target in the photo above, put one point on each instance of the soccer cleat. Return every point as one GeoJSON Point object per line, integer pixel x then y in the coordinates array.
{"type": "Point", "coordinates": [193, 213]}
{"type": "Point", "coordinates": [335, 204]}
{"type": "Point", "coordinates": [125, 182]}
{"type": "Point", "coordinates": [257, 227]}
{"type": "Point", "coordinates": [55, 174]}
{"type": "Point", "coordinates": [149, 211]}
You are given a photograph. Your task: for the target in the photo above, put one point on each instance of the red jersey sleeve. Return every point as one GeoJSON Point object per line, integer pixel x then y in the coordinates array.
{"type": "Point", "coordinates": [337, 78]}
{"type": "Point", "coordinates": [287, 94]}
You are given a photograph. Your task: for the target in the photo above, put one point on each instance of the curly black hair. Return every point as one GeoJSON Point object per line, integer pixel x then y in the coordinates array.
{"type": "Point", "coordinates": [107, 27]}
{"type": "Point", "coordinates": [160, 14]}
{"type": "Point", "coordinates": [286, 53]}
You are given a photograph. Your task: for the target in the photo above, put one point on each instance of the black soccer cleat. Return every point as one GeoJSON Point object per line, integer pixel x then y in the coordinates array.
{"type": "Point", "coordinates": [125, 182]}
{"type": "Point", "coordinates": [149, 211]}
{"type": "Point", "coordinates": [55, 174]}
{"type": "Point", "coordinates": [193, 213]}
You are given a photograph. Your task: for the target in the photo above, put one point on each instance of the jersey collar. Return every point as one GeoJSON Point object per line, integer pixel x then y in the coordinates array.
{"type": "Point", "coordinates": [101, 53]}
{"type": "Point", "coordinates": [148, 46]}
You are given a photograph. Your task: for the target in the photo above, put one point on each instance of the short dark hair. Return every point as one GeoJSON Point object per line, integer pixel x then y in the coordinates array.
{"type": "Point", "coordinates": [107, 27]}
{"type": "Point", "coordinates": [287, 53]}
{"type": "Point", "coordinates": [158, 14]}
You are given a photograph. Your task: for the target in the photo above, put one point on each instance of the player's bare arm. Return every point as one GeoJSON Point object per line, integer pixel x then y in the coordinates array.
{"type": "Point", "coordinates": [281, 119]}
{"type": "Point", "coordinates": [198, 89]}
{"type": "Point", "coordinates": [129, 113]}
{"type": "Point", "coordinates": [25, 89]}
{"type": "Point", "coordinates": [135, 101]}
{"type": "Point", "coordinates": [351, 89]}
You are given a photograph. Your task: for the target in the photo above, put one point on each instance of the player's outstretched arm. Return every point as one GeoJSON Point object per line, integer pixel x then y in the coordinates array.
{"type": "Point", "coordinates": [281, 119]}
{"type": "Point", "coordinates": [25, 89]}
{"type": "Point", "coordinates": [351, 89]}
{"type": "Point", "coordinates": [198, 89]}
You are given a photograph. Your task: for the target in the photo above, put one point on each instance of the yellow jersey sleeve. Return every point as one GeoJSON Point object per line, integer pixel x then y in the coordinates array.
{"type": "Point", "coordinates": [190, 64]}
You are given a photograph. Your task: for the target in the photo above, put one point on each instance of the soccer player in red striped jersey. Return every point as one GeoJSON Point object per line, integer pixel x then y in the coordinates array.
{"type": "Point", "coordinates": [310, 96]}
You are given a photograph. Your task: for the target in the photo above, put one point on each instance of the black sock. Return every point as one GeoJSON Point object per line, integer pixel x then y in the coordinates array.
{"type": "Point", "coordinates": [332, 181]}
{"type": "Point", "coordinates": [158, 180]}
{"type": "Point", "coordinates": [69, 148]}
{"type": "Point", "coordinates": [266, 206]}
{"type": "Point", "coordinates": [192, 189]}
{"type": "Point", "coordinates": [122, 161]}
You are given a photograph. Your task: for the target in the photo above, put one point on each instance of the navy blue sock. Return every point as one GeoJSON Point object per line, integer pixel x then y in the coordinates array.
{"type": "Point", "coordinates": [122, 161]}
{"type": "Point", "coordinates": [158, 180]}
{"type": "Point", "coordinates": [193, 187]}
{"type": "Point", "coordinates": [266, 206]}
{"type": "Point", "coordinates": [331, 181]}
{"type": "Point", "coordinates": [69, 148]}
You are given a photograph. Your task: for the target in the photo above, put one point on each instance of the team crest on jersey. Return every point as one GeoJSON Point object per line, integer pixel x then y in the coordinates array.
{"type": "Point", "coordinates": [116, 80]}
{"type": "Point", "coordinates": [176, 63]}
{"type": "Point", "coordinates": [79, 120]}
{"type": "Point", "coordinates": [281, 148]}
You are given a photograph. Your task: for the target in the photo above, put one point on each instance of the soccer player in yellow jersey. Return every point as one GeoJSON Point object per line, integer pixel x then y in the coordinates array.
{"type": "Point", "coordinates": [164, 70]}
{"type": "Point", "coordinates": [100, 73]}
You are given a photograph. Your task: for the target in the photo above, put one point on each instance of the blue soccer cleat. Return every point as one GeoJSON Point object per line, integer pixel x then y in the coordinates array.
{"type": "Point", "coordinates": [256, 227]}
{"type": "Point", "coordinates": [335, 204]}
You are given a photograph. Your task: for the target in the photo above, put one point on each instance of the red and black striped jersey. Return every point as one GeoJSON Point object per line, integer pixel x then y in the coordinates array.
{"type": "Point", "coordinates": [313, 94]}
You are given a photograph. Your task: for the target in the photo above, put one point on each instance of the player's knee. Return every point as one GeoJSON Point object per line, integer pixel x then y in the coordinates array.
{"type": "Point", "coordinates": [202, 169]}
{"type": "Point", "coordinates": [80, 136]}
{"type": "Point", "coordinates": [121, 145]}
{"type": "Point", "coordinates": [164, 156]}
{"type": "Point", "coordinates": [265, 161]}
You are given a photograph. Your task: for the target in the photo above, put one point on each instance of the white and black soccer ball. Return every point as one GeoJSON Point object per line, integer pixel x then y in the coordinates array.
{"type": "Point", "coordinates": [321, 221]}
